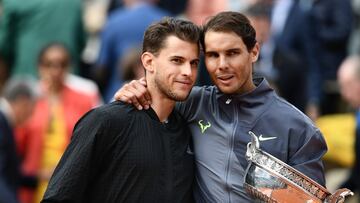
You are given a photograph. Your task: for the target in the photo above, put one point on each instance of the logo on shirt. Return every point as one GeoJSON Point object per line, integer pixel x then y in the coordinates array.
{"type": "Point", "coordinates": [261, 138]}
{"type": "Point", "coordinates": [203, 126]}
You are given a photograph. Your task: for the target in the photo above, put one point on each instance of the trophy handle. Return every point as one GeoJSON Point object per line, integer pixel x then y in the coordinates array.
{"type": "Point", "coordinates": [254, 140]}
{"type": "Point", "coordinates": [252, 146]}
{"type": "Point", "coordinates": [339, 196]}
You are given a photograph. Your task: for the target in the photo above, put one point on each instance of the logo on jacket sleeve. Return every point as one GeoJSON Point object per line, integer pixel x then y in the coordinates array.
{"type": "Point", "coordinates": [203, 126]}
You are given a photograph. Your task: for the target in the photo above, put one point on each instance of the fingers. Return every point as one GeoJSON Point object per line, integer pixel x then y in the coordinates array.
{"type": "Point", "coordinates": [141, 93]}
{"type": "Point", "coordinates": [122, 94]}
{"type": "Point", "coordinates": [147, 96]}
{"type": "Point", "coordinates": [143, 81]}
{"type": "Point", "coordinates": [135, 93]}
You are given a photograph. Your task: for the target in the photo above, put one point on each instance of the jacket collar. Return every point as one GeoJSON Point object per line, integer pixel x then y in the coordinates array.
{"type": "Point", "coordinates": [255, 96]}
{"type": "Point", "coordinates": [249, 105]}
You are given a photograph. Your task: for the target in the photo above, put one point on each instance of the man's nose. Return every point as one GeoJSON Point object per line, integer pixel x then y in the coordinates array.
{"type": "Point", "coordinates": [222, 62]}
{"type": "Point", "coordinates": [186, 70]}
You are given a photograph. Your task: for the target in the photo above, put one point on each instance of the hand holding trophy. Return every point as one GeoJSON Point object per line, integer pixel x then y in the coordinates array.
{"type": "Point", "coordinates": [269, 179]}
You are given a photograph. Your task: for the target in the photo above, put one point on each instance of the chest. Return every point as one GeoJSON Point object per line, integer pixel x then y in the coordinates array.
{"type": "Point", "coordinates": [224, 134]}
{"type": "Point", "coordinates": [150, 148]}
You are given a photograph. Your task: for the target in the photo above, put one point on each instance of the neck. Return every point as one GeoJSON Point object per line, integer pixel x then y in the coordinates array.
{"type": "Point", "coordinates": [162, 105]}
{"type": "Point", "coordinates": [51, 89]}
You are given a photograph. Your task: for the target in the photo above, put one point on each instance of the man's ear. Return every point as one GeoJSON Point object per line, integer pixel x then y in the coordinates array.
{"type": "Point", "coordinates": [147, 60]}
{"type": "Point", "coordinates": [255, 52]}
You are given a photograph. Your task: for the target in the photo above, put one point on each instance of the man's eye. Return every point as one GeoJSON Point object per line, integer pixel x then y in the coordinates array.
{"type": "Point", "coordinates": [232, 53]}
{"type": "Point", "coordinates": [195, 64]}
{"type": "Point", "coordinates": [177, 61]}
{"type": "Point", "coordinates": [211, 55]}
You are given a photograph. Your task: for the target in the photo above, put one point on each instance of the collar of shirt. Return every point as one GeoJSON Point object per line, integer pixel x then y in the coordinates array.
{"type": "Point", "coordinates": [152, 114]}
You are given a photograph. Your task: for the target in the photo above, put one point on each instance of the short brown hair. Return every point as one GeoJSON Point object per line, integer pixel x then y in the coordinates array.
{"type": "Point", "coordinates": [230, 21]}
{"type": "Point", "coordinates": [157, 33]}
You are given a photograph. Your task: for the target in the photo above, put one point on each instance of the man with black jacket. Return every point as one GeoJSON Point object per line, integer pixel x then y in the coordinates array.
{"type": "Point", "coordinates": [121, 154]}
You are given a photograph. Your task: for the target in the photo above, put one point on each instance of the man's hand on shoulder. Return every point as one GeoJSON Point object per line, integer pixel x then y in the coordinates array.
{"type": "Point", "coordinates": [136, 93]}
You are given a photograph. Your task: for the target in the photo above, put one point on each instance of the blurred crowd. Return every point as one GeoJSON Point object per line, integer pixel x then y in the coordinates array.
{"type": "Point", "coordinates": [60, 59]}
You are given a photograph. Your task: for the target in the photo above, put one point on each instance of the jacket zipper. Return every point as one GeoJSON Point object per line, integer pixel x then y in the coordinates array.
{"type": "Point", "coordinates": [231, 146]}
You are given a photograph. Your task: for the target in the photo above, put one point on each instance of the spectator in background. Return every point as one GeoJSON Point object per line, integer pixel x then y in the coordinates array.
{"type": "Point", "coordinates": [26, 26]}
{"type": "Point", "coordinates": [349, 81]}
{"type": "Point", "coordinates": [259, 15]}
{"type": "Point", "coordinates": [43, 139]}
{"type": "Point", "coordinates": [124, 28]}
{"type": "Point", "coordinates": [131, 65]}
{"type": "Point", "coordinates": [175, 7]}
{"type": "Point", "coordinates": [331, 25]}
{"type": "Point", "coordinates": [292, 51]}
{"type": "Point", "coordinates": [85, 86]}
{"type": "Point", "coordinates": [199, 10]}
{"type": "Point", "coordinates": [94, 19]}
{"type": "Point", "coordinates": [15, 107]}
{"type": "Point", "coordinates": [244, 5]}
{"type": "Point", "coordinates": [113, 5]}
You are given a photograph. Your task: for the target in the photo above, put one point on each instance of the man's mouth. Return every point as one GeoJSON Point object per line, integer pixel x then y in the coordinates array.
{"type": "Point", "coordinates": [185, 82]}
{"type": "Point", "coordinates": [225, 78]}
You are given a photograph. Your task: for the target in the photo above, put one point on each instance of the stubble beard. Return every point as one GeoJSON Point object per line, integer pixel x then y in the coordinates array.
{"type": "Point", "coordinates": [166, 90]}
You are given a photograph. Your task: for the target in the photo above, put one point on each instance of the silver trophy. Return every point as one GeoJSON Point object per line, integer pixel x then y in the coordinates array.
{"type": "Point", "coordinates": [268, 179]}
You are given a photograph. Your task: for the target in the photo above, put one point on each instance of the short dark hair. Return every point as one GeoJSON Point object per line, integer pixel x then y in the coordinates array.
{"type": "Point", "coordinates": [157, 33]}
{"type": "Point", "coordinates": [50, 45]}
{"type": "Point", "coordinates": [230, 21]}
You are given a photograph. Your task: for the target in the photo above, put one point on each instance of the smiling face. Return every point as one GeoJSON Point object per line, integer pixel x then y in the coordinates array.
{"type": "Point", "coordinates": [229, 62]}
{"type": "Point", "coordinates": [172, 72]}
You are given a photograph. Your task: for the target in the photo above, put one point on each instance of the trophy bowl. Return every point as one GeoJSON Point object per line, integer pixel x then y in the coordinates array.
{"type": "Point", "coordinates": [269, 179]}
